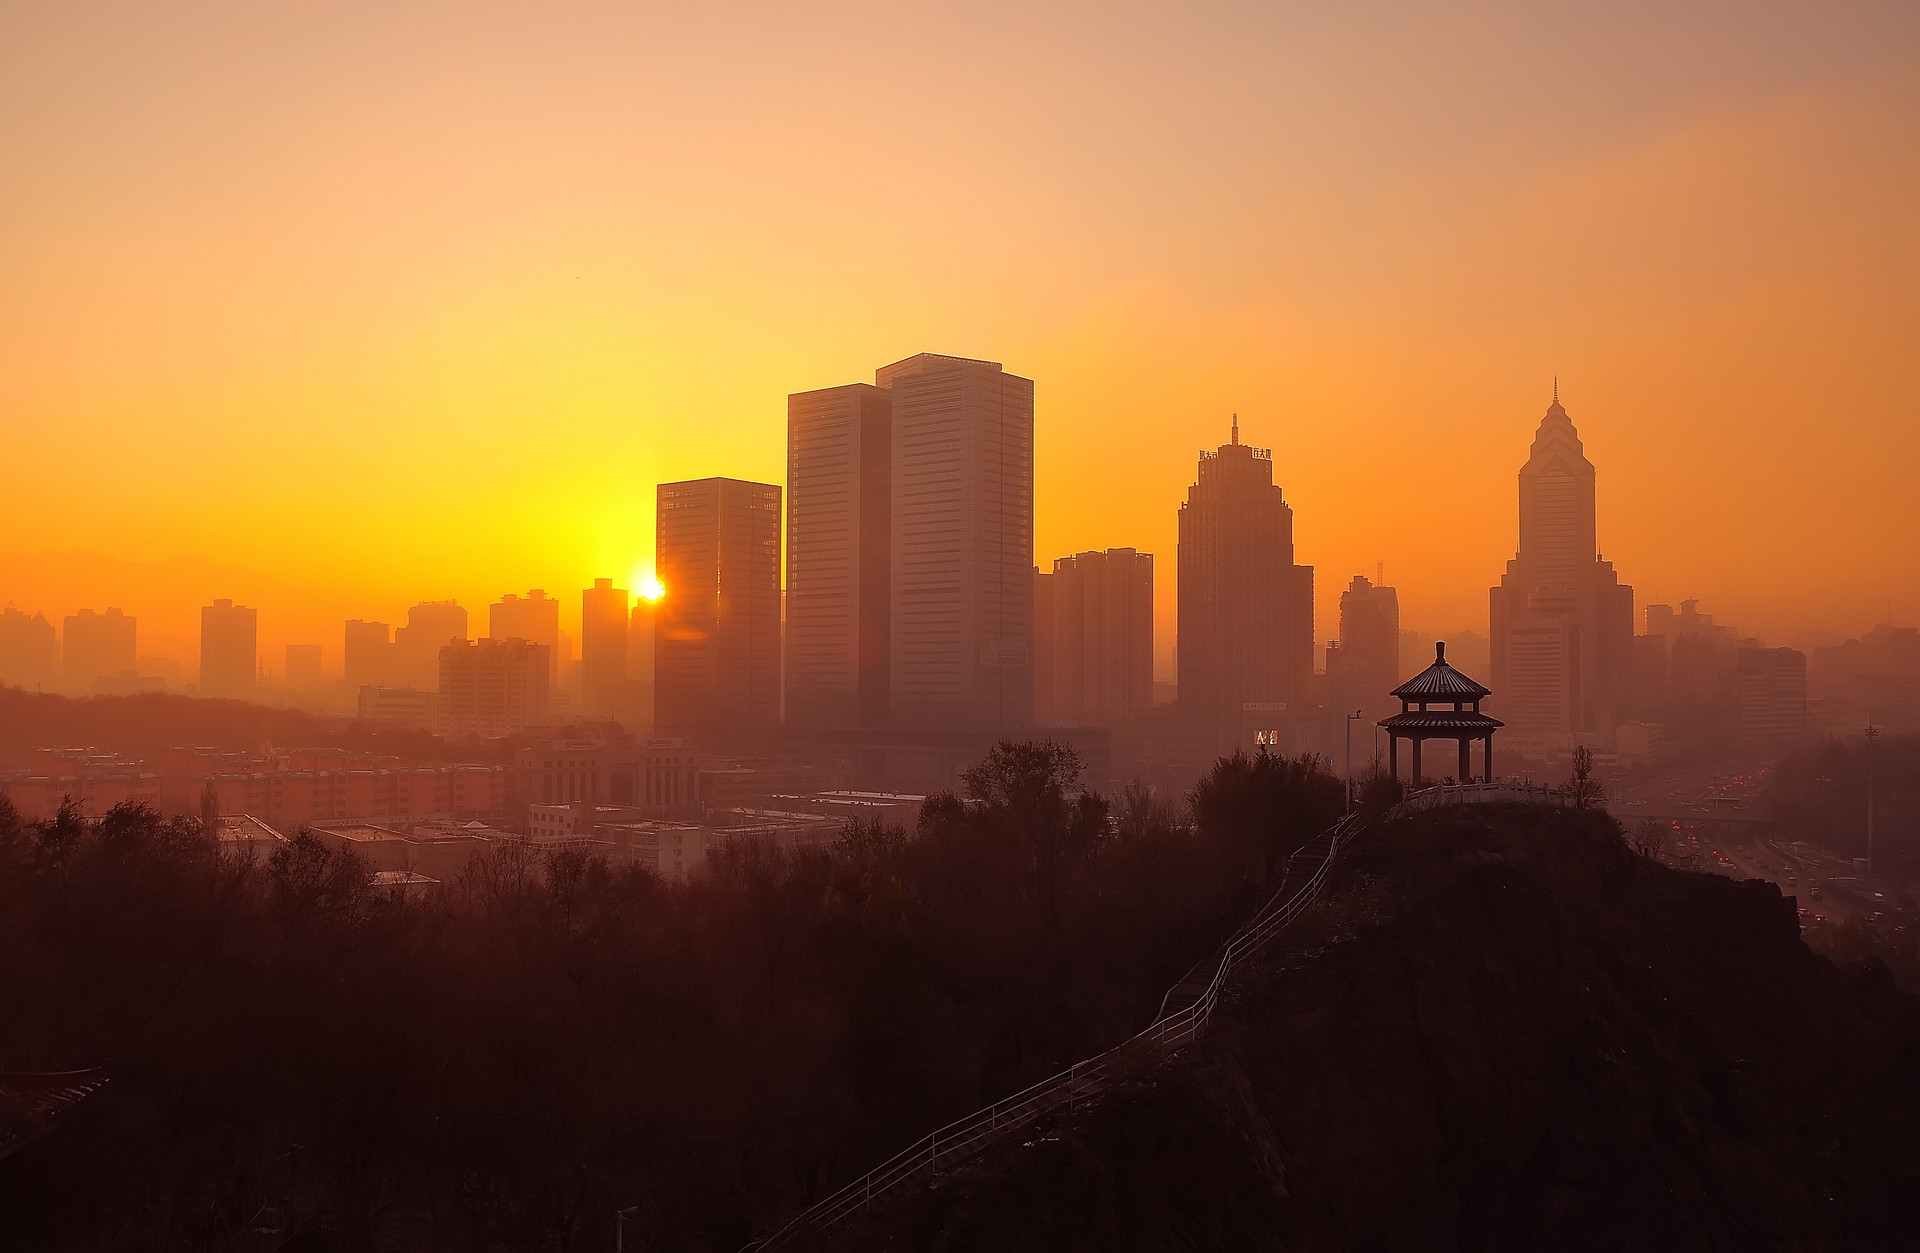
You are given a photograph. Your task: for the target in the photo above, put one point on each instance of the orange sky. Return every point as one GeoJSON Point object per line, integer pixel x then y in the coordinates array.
{"type": "Point", "coordinates": [389, 302]}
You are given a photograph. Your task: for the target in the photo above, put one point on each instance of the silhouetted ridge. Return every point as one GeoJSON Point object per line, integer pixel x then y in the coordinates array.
{"type": "Point", "coordinates": [1503, 1031]}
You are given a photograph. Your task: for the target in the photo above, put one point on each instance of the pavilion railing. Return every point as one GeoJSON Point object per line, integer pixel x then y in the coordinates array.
{"type": "Point", "coordinates": [1482, 794]}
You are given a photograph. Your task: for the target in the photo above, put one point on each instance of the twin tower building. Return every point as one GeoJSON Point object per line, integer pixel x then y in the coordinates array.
{"type": "Point", "coordinates": [909, 580]}
{"type": "Point", "coordinates": [911, 590]}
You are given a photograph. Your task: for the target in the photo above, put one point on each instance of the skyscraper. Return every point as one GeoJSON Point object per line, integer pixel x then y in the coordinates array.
{"type": "Point", "coordinates": [534, 617]}
{"type": "Point", "coordinates": [960, 631]}
{"type": "Point", "coordinates": [97, 644]}
{"type": "Point", "coordinates": [1562, 622]}
{"type": "Point", "coordinates": [431, 625]}
{"type": "Point", "coordinates": [1365, 667]}
{"type": "Point", "coordinates": [717, 626]}
{"type": "Point", "coordinates": [603, 646]}
{"type": "Point", "coordinates": [229, 652]}
{"type": "Point", "coordinates": [28, 648]}
{"type": "Point", "coordinates": [367, 654]}
{"type": "Point", "coordinates": [1094, 637]}
{"type": "Point", "coordinates": [491, 688]}
{"type": "Point", "coordinates": [1245, 607]}
{"type": "Point", "coordinates": [1770, 690]}
{"type": "Point", "coordinates": [839, 527]}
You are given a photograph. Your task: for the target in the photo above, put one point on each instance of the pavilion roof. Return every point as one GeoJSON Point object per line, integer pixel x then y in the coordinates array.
{"type": "Point", "coordinates": [1442, 721]}
{"type": "Point", "coordinates": [1440, 681]}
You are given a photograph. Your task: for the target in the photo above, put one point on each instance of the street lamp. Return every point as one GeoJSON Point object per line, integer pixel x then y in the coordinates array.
{"type": "Point", "coordinates": [1873, 733]}
{"type": "Point", "coordinates": [1350, 717]}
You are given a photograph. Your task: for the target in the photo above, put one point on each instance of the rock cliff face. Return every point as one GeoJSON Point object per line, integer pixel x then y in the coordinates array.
{"type": "Point", "coordinates": [1503, 1031]}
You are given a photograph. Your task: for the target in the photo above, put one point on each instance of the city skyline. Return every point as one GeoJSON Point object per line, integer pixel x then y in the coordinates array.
{"type": "Point", "coordinates": [1380, 274]}
{"type": "Point", "coordinates": [408, 664]}
{"type": "Point", "coordinates": [614, 614]}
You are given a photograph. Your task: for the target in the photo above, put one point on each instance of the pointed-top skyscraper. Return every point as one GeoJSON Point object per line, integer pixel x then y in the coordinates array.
{"type": "Point", "coordinates": [1561, 620]}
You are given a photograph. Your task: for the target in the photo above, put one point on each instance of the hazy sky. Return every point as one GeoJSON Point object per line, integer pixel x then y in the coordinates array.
{"type": "Point", "coordinates": [402, 301]}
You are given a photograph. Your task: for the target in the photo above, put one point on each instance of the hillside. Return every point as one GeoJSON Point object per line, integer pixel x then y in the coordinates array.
{"type": "Point", "coordinates": [1503, 1032]}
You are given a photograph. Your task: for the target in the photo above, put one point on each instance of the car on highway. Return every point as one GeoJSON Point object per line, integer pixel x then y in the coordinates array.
{"type": "Point", "coordinates": [1814, 892]}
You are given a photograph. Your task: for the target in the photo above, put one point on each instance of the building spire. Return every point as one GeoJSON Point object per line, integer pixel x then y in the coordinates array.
{"type": "Point", "coordinates": [1556, 389]}
{"type": "Point", "coordinates": [1236, 428]}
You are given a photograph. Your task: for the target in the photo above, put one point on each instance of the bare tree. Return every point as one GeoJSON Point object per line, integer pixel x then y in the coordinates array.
{"type": "Point", "coordinates": [1581, 785]}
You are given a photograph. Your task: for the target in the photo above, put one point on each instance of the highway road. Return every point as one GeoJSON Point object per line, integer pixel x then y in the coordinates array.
{"type": "Point", "coordinates": [1796, 876]}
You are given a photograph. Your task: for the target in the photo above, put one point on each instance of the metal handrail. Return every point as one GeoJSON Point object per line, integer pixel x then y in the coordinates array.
{"type": "Point", "coordinates": [1084, 1079]}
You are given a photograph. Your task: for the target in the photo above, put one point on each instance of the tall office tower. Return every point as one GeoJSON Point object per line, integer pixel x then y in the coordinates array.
{"type": "Point", "coordinates": [641, 631]}
{"type": "Point", "coordinates": [839, 522]}
{"type": "Point", "coordinates": [29, 652]}
{"type": "Point", "coordinates": [431, 625]}
{"type": "Point", "coordinates": [1562, 622]}
{"type": "Point", "coordinates": [635, 708]}
{"type": "Point", "coordinates": [491, 688]}
{"type": "Point", "coordinates": [603, 646]}
{"type": "Point", "coordinates": [1369, 653]}
{"type": "Point", "coordinates": [367, 654]}
{"type": "Point", "coordinates": [229, 649]}
{"type": "Point", "coordinates": [1770, 688]}
{"type": "Point", "coordinates": [303, 666]}
{"type": "Point", "coordinates": [534, 617]}
{"type": "Point", "coordinates": [1093, 633]}
{"type": "Point", "coordinates": [1685, 656]}
{"type": "Point", "coordinates": [96, 645]}
{"type": "Point", "coordinates": [1245, 608]}
{"type": "Point", "coordinates": [717, 648]}
{"type": "Point", "coordinates": [960, 629]}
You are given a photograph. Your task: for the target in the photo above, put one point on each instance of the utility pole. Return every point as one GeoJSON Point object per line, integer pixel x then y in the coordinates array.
{"type": "Point", "coordinates": [1350, 717]}
{"type": "Point", "coordinates": [1873, 733]}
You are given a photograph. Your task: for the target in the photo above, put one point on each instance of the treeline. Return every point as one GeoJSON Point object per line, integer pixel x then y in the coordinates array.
{"type": "Point", "coordinates": [1819, 794]}
{"type": "Point", "coordinates": [296, 1052]}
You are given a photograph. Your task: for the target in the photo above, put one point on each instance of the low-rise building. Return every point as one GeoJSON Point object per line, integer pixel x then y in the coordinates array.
{"type": "Point", "coordinates": [246, 838]}
{"type": "Point", "coordinates": [658, 776]}
{"type": "Point", "coordinates": [95, 781]}
{"type": "Point", "coordinates": [293, 787]}
{"type": "Point", "coordinates": [403, 883]}
{"type": "Point", "coordinates": [896, 809]}
{"type": "Point", "coordinates": [402, 707]}
{"type": "Point", "coordinates": [381, 848]}
{"type": "Point", "coordinates": [675, 851]}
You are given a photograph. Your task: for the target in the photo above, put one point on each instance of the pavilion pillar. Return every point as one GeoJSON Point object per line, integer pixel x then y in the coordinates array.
{"type": "Point", "coordinates": [1489, 757]}
{"type": "Point", "coordinates": [1417, 742]}
{"type": "Point", "coordinates": [1393, 757]}
{"type": "Point", "coordinates": [1466, 759]}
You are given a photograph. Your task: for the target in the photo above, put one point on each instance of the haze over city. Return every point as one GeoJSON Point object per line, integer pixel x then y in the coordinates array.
{"type": "Point", "coordinates": [392, 306]}
{"type": "Point", "coordinates": [948, 627]}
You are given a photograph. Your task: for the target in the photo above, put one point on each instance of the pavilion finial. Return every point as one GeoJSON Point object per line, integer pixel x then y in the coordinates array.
{"type": "Point", "coordinates": [1439, 652]}
{"type": "Point", "coordinates": [1236, 428]}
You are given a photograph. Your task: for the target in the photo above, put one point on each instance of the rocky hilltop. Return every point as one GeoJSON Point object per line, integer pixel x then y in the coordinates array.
{"type": "Point", "coordinates": [1503, 1030]}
